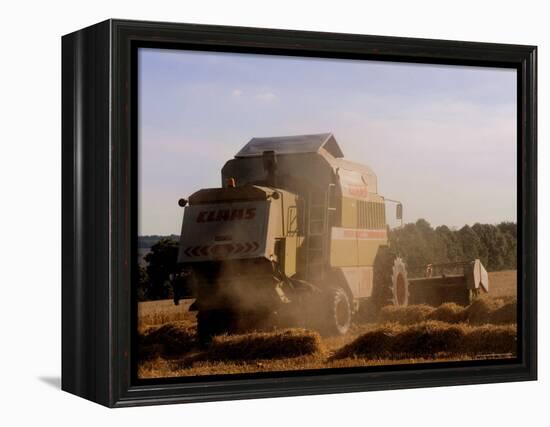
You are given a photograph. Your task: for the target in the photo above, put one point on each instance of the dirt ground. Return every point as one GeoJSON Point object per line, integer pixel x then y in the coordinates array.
{"type": "Point", "coordinates": [503, 284]}
{"type": "Point", "coordinates": [154, 314]}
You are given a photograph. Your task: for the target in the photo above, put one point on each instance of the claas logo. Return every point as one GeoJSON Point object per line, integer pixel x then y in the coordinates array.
{"type": "Point", "coordinates": [226, 215]}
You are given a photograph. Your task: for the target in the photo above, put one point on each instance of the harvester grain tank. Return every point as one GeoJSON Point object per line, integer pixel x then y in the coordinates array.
{"type": "Point", "coordinates": [298, 234]}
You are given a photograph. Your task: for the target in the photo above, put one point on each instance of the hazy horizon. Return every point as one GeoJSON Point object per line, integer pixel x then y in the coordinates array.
{"type": "Point", "coordinates": [441, 139]}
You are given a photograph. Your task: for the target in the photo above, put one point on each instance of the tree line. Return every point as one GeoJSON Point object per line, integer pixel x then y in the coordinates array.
{"type": "Point", "coordinates": [146, 242]}
{"type": "Point", "coordinates": [420, 244]}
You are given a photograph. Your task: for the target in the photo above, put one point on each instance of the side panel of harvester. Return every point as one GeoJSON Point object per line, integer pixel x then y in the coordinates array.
{"type": "Point", "coordinates": [362, 228]}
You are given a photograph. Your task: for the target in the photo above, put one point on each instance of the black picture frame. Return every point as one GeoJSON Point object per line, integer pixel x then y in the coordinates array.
{"type": "Point", "coordinates": [99, 229]}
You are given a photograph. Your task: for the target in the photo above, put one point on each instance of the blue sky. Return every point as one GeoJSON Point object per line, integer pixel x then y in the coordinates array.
{"type": "Point", "coordinates": [442, 139]}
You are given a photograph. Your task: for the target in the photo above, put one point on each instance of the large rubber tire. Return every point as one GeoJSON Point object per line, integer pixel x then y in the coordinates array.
{"type": "Point", "coordinates": [391, 284]}
{"type": "Point", "coordinates": [339, 312]}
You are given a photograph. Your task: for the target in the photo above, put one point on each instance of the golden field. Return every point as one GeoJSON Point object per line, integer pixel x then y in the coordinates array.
{"type": "Point", "coordinates": [485, 329]}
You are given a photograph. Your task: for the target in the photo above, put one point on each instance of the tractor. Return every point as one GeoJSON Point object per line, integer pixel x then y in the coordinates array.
{"type": "Point", "coordinates": [297, 235]}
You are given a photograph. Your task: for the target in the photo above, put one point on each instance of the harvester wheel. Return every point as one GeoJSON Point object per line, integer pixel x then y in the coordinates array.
{"type": "Point", "coordinates": [339, 312]}
{"type": "Point", "coordinates": [391, 285]}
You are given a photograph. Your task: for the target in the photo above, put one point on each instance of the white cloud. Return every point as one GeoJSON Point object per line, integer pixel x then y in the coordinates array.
{"type": "Point", "coordinates": [266, 96]}
{"type": "Point", "coordinates": [236, 93]}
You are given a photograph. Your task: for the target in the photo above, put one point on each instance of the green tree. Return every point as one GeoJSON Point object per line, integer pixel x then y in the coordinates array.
{"type": "Point", "coordinates": [420, 244]}
{"type": "Point", "coordinates": [495, 245]}
{"type": "Point", "coordinates": [509, 232]}
{"type": "Point", "coordinates": [415, 242]}
{"type": "Point", "coordinates": [161, 263]}
{"type": "Point", "coordinates": [143, 283]}
{"type": "Point", "coordinates": [450, 240]}
{"type": "Point", "coordinates": [510, 228]}
{"type": "Point", "coordinates": [471, 245]}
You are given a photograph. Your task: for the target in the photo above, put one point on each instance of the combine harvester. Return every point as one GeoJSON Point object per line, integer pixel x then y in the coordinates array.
{"type": "Point", "coordinates": [299, 234]}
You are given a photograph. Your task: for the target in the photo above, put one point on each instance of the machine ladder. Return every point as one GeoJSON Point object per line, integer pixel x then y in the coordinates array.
{"type": "Point", "coordinates": [319, 210]}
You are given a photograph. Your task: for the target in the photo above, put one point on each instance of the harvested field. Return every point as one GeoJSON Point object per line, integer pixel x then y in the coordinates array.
{"type": "Point", "coordinates": [415, 334]}
{"type": "Point", "coordinates": [448, 312]}
{"type": "Point", "coordinates": [431, 339]}
{"type": "Point", "coordinates": [503, 284]}
{"type": "Point", "coordinates": [265, 345]}
{"type": "Point", "coordinates": [168, 340]}
{"type": "Point", "coordinates": [405, 315]}
{"type": "Point", "coordinates": [481, 311]}
{"type": "Point", "coordinates": [491, 310]}
{"type": "Point", "coordinates": [506, 314]}
{"type": "Point", "coordinates": [154, 313]}
{"type": "Point", "coordinates": [175, 339]}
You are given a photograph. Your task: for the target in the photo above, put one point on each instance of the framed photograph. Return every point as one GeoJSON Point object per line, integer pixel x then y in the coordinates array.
{"type": "Point", "coordinates": [257, 213]}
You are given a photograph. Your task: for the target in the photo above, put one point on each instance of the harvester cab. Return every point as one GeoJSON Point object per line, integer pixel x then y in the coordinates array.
{"type": "Point", "coordinates": [298, 234]}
